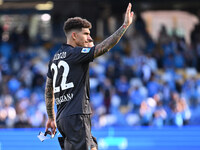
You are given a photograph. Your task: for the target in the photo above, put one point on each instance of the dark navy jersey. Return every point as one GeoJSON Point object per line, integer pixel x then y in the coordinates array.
{"type": "Point", "coordinates": [69, 70]}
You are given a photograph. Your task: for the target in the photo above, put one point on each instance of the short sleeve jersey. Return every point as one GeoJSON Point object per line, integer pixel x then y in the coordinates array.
{"type": "Point", "coordinates": [69, 70]}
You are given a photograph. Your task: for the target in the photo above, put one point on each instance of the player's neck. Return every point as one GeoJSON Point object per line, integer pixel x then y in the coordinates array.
{"type": "Point", "coordinates": [72, 43]}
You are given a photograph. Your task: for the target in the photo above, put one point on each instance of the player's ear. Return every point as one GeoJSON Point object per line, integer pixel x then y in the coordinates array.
{"type": "Point", "coordinates": [74, 35]}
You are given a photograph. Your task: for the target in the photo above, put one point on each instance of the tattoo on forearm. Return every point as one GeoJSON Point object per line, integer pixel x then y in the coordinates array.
{"type": "Point", "coordinates": [110, 42]}
{"type": "Point", "coordinates": [49, 98]}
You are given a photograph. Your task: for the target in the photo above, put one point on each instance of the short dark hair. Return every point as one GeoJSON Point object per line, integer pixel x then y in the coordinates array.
{"type": "Point", "coordinates": [76, 23]}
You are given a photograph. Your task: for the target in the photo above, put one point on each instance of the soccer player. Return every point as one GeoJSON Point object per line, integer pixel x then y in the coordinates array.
{"type": "Point", "coordinates": [68, 82]}
{"type": "Point", "coordinates": [61, 139]}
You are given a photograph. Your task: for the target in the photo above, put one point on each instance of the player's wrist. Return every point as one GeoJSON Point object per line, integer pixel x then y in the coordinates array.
{"type": "Point", "coordinates": [51, 118]}
{"type": "Point", "coordinates": [125, 25]}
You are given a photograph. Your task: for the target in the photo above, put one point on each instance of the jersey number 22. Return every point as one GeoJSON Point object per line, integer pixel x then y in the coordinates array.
{"type": "Point", "coordinates": [63, 85]}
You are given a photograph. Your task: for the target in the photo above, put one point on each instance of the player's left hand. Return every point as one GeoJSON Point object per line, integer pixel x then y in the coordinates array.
{"type": "Point", "coordinates": [128, 16]}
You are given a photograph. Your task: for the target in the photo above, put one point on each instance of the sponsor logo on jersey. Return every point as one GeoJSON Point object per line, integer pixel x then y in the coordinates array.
{"type": "Point", "coordinates": [64, 98]}
{"type": "Point", "coordinates": [85, 50]}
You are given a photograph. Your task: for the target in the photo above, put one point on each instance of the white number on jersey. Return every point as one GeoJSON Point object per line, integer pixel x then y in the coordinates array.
{"type": "Point", "coordinates": [63, 85]}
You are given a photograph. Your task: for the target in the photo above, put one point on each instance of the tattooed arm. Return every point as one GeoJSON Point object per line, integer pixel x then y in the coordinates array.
{"type": "Point", "coordinates": [111, 41]}
{"type": "Point", "coordinates": [50, 106]}
{"type": "Point", "coordinates": [49, 98]}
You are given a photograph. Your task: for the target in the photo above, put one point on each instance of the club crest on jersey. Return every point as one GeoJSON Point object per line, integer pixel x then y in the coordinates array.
{"type": "Point", "coordinates": [85, 50]}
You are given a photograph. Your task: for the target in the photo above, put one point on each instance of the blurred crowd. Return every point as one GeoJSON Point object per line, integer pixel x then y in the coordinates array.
{"type": "Point", "coordinates": [140, 82]}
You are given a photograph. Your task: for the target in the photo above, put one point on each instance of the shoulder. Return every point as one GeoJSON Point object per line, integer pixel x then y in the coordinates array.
{"type": "Point", "coordinates": [83, 50]}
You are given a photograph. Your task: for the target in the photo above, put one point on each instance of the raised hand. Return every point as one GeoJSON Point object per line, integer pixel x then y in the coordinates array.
{"type": "Point", "coordinates": [112, 40]}
{"type": "Point", "coordinates": [128, 16]}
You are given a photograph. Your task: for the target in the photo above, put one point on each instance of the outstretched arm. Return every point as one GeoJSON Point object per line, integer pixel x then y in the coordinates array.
{"type": "Point", "coordinates": [50, 106]}
{"type": "Point", "coordinates": [112, 40]}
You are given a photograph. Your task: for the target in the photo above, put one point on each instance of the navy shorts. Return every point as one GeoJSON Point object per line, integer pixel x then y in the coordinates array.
{"type": "Point", "coordinates": [76, 131]}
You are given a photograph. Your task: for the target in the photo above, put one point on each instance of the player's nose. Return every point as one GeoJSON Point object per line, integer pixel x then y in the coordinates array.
{"type": "Point", "coordinates": [89, 38]}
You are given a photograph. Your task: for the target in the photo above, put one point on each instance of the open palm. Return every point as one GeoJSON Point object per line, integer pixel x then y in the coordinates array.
{"type": "Point", "coordinates": [128, 15]}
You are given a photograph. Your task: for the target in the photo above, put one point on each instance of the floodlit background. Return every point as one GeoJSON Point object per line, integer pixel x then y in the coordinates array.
{"type": "Point", "coordinates": [145, 92]}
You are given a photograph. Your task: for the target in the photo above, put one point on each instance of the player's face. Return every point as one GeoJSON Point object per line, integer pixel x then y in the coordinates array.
{"type": "Point", "coordinates": [83, 38]}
